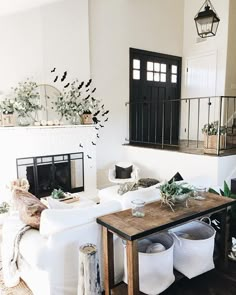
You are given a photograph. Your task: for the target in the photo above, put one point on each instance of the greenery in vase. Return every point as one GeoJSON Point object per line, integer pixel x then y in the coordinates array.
{"type": "Point", "coordinates": [27, 98]}
{"type": "Point", "coordinates": [212, 128]}
{"type": "Point", "coordinates": [58, 194]}
{"type": "Point", "coordinates": [77, 99]}
{"type": "Point", "coordinates": [7, 106]}
{"type": "Point", "coordinates": [4, 207]}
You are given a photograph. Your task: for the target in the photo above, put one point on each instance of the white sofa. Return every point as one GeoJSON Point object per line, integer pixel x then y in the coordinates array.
{"type": "Point", "coordinates": [149, 194]}
{"type": "Point", "coordinates": [48, 260]}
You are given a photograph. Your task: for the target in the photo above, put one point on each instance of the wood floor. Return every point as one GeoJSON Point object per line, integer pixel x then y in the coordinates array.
{"type": "Point", "coordinates": [214, 282]}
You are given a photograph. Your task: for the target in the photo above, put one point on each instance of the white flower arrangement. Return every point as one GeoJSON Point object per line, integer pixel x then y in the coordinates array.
{"type": "Point", "coordinates": [27, 99]}
{"type": "Point", "coordinates": [76, 99]}
{"type": "Point", "coordinates": [7, 106]}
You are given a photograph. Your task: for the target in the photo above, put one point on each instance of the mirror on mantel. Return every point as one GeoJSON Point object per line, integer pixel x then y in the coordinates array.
{"type": "Point", "coordinates": [42, 35]}
{"type": "Point", "coordinates": [48, 96]}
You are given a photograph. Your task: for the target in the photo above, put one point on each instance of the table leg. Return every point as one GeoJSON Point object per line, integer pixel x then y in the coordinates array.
{"type": "Point", "coordinates": [224, 235]}
{"type": "Point", "coordinates": [108, 256]}
{"type": "Point", "coordinates": [132, 267]}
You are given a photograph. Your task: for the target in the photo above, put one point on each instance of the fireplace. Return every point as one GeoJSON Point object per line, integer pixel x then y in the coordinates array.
{"type": "Point", "coordinates": [45, 173]}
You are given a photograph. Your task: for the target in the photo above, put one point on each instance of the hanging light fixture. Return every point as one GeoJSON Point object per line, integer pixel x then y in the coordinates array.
{"type": "Point", "coordinates": [207, 20]}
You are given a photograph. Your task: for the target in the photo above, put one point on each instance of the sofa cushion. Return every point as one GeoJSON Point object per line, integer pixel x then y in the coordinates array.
{"type": "Point", "coordinates": [56, 220]}
{"type": "Point", "coordinates": [126, 187]}
{"type": "Point", "coordinates": [146, 182]}
{"type": "Point", "coordinates": [123, 173]}
{"type": "Point", "coordinates": [29, 207]}
{"type": "Point", "coordinates": [149, 194]}
{"type": "Point", "coordinates": [176, 177]}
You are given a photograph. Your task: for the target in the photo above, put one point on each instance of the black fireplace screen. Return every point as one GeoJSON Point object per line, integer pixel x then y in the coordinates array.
{"type": "Point", "coordinates": [46, 173]}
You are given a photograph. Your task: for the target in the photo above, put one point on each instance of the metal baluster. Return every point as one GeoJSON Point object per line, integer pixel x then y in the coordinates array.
{"type": "Point", "coordinates": [188, 121]}
{"type": "Point", "coordinates": [149, 119]}
{"type": "Point", "coordinates": [142, 121]}
{"type": "Point", "coordinates": [218, 134]}
{"type": "Point", "coordinates": [208, 117]}
{"type": "Point", "coordinates": [163, 125]}
{"type": "Point", "coordinates": [156, 107]}
{"type": "Point", "coordinates": [198, 119]}
{"type": "Point", "coordinates": [136, 120]}
{"type": "Point", "coordinates": [171, 119]}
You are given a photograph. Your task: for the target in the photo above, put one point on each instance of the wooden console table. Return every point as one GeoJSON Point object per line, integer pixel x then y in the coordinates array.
{"type": "Point", "coordinates": [156, 219]}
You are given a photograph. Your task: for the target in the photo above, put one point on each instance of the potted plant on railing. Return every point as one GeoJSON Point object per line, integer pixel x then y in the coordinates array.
{"type": "Point", "coordinates": [27, 102]}
{"type": "Point", "coordinates": [210, 132]}
{"type": "Point", "coordinates": [7, 110]}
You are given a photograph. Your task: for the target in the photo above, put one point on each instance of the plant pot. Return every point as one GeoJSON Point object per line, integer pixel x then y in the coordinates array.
{"type": "Point", "coordinates": [75, 120]}
{"type": "Point", "coordinates": [87, 119]}
{"type": "Point", "coordinates": [24, 120]}
{"type": "Point", "coordinates": [210, 143]}
{"type": "Point", "coordinates": [8, 120]}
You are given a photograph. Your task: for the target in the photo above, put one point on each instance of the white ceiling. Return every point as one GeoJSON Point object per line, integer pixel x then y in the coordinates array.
{"type": "Point", "coordinates": [12, 6]}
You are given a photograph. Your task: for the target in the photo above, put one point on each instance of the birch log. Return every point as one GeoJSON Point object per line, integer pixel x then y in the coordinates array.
{"type": "Point", "coordinates": [89, 271]}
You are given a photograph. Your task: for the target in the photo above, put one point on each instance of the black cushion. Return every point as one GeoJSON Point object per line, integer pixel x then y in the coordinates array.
{"type": "Point", "coordinates": [176, 177]}
{"type": "Point", "coordinates": [123, 173]}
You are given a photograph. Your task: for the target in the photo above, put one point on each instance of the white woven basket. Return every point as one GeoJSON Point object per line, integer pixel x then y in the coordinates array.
{"type": "Point", "coordinates": [155, 269]}
{"type": "Point", "coordinates": [193, 255]}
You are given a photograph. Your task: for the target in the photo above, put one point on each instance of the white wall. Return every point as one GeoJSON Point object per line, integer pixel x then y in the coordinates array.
{"type": "Point", "coordinates": [115, 26]}
{"type": "Point", "coordinates": [163, 165]}
{"type": "Point", "coordinates": [36, 40]}
{"type": "Point", "coordinates": [230, 85]}
{"type": "Point", "coordinates": [216, 48]}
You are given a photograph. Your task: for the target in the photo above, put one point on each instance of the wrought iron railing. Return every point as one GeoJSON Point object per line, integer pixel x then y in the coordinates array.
{"type": "Point", "coordinates": [179, 122]}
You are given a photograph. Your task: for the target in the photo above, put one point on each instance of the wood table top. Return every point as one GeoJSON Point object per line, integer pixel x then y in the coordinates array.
{"type": "Point", "coordinates": [159, 217]}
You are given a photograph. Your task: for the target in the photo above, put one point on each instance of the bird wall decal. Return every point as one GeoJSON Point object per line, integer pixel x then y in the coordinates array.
{"type": "Point", "coordinates": [53, 70]}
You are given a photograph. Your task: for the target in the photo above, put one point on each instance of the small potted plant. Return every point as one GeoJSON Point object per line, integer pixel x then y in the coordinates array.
{"type": "Point", "coordinates": [7, 110]}
{"type": "Point", "coordinates": [4, 209]}
{"type": "Point", "coordinates": [27, 101]}
{"type": "Point", "coordinates": [172, 193]}
{"type": "Point", "coordinates": [58, 194]}
{"type": "Point", "coordinates": [210, 132]}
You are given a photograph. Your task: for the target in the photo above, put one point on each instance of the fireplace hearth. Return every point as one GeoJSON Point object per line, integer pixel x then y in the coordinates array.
{"type": "Point", "coordinates": [45, 173]}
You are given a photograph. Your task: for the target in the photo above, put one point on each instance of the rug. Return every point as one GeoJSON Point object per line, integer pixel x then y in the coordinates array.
{"type": "Point", "coordinates": [20, 289]}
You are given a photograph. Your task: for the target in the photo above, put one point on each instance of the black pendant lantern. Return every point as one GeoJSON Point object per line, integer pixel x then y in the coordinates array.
{"type": "Point", "coordinates": [207, 20]}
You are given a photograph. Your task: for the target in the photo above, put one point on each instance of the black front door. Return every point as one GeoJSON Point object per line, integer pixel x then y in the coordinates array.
{"type": "Point", "coordinates": [154, 97]}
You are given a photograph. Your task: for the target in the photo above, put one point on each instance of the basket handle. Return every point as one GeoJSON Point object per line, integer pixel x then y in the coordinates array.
{"type": "Point", "coordinates": [176, 237]}
{"type": "Point", "coordinates": [206, 218]}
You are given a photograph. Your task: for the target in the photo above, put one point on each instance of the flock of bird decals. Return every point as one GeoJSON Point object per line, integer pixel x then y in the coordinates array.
{"type": "Point", "coordinates": [99, 117]}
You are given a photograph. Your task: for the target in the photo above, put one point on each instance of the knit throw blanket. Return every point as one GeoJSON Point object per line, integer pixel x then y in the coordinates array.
{"type": "Point", "coordinates": [10, 252]}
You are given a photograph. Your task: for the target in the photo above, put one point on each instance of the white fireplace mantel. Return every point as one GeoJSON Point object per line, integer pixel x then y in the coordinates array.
{"type": "Point", "coordinates": [32, 141]}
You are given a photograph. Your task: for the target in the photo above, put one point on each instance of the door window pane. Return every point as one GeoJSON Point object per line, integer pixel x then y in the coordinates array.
{"type": "Point", "coordinates": [136, 74]}
{"type": "Point", "coordinates": [156, 77]}
{"type": "Point", "coordinates": [173, 78]}
{"type": "Point", "coordinates": [174, 69]}
{"type": "Point", "coordinates": [163, 77]}
{"type": "Point", "coordinates": [156, 67]}
{"type": "Point", "coordinates": [150, 76]}
{"type": "Point", "coordinates": [136, 64]}
{"type": "Point", "coordinates": [150, 66]}
{"type": "Point", "coordinates": [163, 68]}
